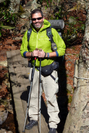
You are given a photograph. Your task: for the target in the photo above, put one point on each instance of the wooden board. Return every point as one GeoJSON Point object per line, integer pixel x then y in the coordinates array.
{"type": "Point", "coordinates": [19, 74]}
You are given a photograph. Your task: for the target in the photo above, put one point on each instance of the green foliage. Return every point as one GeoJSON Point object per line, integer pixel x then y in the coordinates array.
{"type": "Point", "coordinates": [73, 29]}
{"type": "Point", "coordinates": [21, 9]}
{"type": "Point", "coordinates": [49, 2]}
{"type": "Point", "coordinates": [58, 14]}
{"type": "Point", "coordinates": [7, 19]}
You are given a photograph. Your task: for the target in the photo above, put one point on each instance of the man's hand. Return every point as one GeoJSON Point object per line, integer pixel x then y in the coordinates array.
{"type": "Point", "coordinates": [41, 53]}
{"type": "Point", "coordinates": [35, 53]}
{"type": "Point", "coordinates": [38, 53]}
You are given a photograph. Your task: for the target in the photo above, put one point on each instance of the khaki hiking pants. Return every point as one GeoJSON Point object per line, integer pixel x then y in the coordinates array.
{"type": "Point", "coordinates": [50, 88]}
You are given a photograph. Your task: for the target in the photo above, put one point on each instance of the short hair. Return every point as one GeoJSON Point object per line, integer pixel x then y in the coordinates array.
{"type": "Point", "coordinates": [36, 11]}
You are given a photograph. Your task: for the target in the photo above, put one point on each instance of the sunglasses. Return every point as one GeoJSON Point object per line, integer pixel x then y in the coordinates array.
{"type": "Point", "coordinates": [34, 19]}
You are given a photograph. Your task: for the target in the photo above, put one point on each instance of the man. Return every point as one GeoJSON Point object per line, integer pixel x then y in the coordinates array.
{"type": "Point", "coordinates": [40, 47]}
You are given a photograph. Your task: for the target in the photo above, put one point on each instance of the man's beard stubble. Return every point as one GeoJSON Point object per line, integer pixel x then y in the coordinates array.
{"type": "Point", "coordinates": [38, 27]}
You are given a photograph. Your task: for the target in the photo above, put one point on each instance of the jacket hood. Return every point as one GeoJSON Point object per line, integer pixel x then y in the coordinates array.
{"type": "Point", "coordinates": [46, 24]}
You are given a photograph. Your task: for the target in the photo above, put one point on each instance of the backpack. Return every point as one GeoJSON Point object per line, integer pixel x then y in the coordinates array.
{"type": "Point", "coordinates": [53, 45]}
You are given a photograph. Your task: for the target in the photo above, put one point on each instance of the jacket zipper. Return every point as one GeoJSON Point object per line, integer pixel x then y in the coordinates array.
{"type": "Point", "coordinates": [37, 41]}
{"type": "Point", "coordinates": [37, 45]}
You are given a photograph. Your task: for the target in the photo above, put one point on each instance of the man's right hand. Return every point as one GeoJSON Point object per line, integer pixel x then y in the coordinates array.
{"type": "Point", "coordinates": [35, 53]}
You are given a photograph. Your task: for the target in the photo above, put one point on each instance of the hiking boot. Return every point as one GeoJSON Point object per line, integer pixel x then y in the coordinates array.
{"type": "Point", "coordinates": [31, 124]}
{"type": "Point", "coordinates": [52, 130]}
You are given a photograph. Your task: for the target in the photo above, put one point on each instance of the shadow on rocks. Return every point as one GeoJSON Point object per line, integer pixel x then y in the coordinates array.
{"type": "Point", "coordinates": [62, 98]}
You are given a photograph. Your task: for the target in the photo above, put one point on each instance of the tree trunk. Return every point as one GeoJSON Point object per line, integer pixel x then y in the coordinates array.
{"type": "Point", "coordinates": [78, 117]}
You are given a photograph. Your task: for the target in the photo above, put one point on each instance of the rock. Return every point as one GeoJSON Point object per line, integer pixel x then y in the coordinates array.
{"type": "Point", "coordinates": [25, 15]}
{"type": "Point", "coordinates": [2, 1]}
{"type": "Point", "coordinates": [18, 38]}
{"type": "Point", "coordinates": [10, 132]}
{"type": "Point", "coordinates": [69, 88]}
{"type": "Point", "coordinates": [31, 5]}
{"type": "Point", "coordinates": [72, 20]}
{"type": "Point", "coordinates": [10, 107]}
{"type": "Point", "coordinates": [25, 27]}
{"type": "Point", "coordinates": [4, 131]}
{"type": "Point", "coordinates": [14, 6]}
{"type": "Point", "coordinates": [3, 116]}
{"type": "Point", "coordinates": [3, 63]}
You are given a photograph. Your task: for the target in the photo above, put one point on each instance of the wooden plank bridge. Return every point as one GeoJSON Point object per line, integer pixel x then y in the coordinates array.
{"type": "Point", "coordinates": [19, 74]}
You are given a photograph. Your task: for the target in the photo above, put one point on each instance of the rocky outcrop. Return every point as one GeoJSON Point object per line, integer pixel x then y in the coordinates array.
{"type": "Point", "coordinates": [85, 48]}
{"type": "Point", "coordinates": [78, 117]}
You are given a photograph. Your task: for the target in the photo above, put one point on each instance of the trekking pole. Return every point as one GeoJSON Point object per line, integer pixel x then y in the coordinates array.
{"type": "Point", "coordinates": [29, 96]}
{"type": "Point", "coordinates": [40, 84]}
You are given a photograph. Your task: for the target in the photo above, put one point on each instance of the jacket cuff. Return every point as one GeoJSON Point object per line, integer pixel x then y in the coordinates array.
{"type": "Point", "coordinates": [57, 53]}
{"type": "Point", "coordinates": [24, 54]}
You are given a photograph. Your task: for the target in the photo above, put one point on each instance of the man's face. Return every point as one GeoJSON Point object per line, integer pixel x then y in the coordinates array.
{"type": "Point", "coordinates": [37, 20]}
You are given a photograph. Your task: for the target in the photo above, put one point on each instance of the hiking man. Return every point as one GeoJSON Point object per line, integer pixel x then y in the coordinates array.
{"type": "Point", "coordinates": [40, 47]}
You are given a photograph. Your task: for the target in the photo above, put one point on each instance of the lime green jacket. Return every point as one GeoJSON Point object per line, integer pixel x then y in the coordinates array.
{"type": "Point", "coordinates": [40, 40]}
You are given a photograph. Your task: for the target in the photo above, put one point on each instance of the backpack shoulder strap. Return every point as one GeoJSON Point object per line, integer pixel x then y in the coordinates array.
{"type": "Point", "coordinates": [29, 33]}
{"type": "Point", "coordinates": [49, 34]}
{"type": "Point", "coordinates": [28, 36]}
